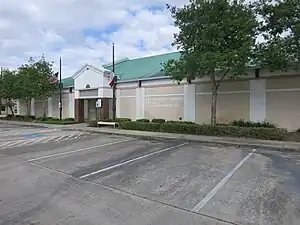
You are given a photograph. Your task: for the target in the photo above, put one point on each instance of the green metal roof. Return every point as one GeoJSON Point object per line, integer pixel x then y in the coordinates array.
{"type": "Point", "coordinates": [68, 82]}
{"type": "Point", "coordinates": [134, 69]}
{"type": "Point", "coordinates": [141, 68]}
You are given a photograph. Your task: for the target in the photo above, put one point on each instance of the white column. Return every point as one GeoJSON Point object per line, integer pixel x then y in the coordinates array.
{"type": "Point", "coordinates": [140, 103]}
{"type": "Point", "coordinates": [118, 103]}
{"type": "Point", "coordinates": [189, 102]}
{"type": "Point", "coordinates": [71, 105]}
{"type": "Point", "coordinates": [257, 100]}
{"type": "Point", "coordinates": [50, 102]}
{"type": "Point", "coordinates": [32, 107]}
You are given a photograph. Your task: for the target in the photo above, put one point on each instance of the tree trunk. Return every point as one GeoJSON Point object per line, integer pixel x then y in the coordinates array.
{"type": "Point", "coordinates": [12, 110]}
{"type": "Point", "coordinates": [213, 118]}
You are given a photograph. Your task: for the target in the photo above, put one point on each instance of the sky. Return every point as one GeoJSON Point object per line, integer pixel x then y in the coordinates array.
{"type": "Point", "coordinates": [82, 31]}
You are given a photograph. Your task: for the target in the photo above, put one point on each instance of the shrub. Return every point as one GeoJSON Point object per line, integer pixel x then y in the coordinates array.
{"type": "Point", "coordinates": [143, 120]}
{"type": "Point", "coordinates": [69, 119]}
{"type": "Point", "coordinates": [136, 125]}
{"type": "Point", "coordinates": [158, 120]}
{"type": "Point", "coordinates": [92, 123]}
{"type": "Point", "coordinates": [107, 120]}
{"type": "Point", "coordinates": [180, 121]}
{"type": "Point", "coordinates": [122, 119]}
{"type": "Point", "coordinates": [231, 131]}
{"type": "Point", "coordinates": [243, 123]}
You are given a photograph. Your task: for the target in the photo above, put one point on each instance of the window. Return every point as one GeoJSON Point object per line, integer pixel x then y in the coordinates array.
{"type": "Point", "coordinates": [3, 108]}
{"type": "Point", "coordinates": [87, 86]}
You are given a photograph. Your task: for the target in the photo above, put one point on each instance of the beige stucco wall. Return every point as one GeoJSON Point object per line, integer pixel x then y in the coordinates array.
{"type": "Point", "coordinates": [164, 102]}
{"type": "Point", "coordinates": [283, 83]}
{"type": "Point", "coordinates": [282, 102]}
{"type": "Point", "coordinates": [233, 102]}
{"type": "Point", "coordinates": [127, 92]}
{"type": "Point", "coordinates": [164, 107]}
{"type": "Point", "coordinates": [225, 86]}
{"type": "Point", "coordinates": [127, 103]}
{"type": "Point", "coordinates": [167, 90]}
{"type": "Point", "coordinates": [65, 105]}
{"type": "Point", "coordinates": [128, 107]}
{"type": "Point", "coordinates": [38, 108]}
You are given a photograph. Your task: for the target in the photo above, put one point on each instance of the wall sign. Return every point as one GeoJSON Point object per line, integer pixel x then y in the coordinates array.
{"type": "Point", "coordinates": [98, 103]}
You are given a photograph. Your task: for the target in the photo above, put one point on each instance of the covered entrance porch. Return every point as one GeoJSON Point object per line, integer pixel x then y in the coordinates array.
{"type": "Point", "coordinates": [86, 110]}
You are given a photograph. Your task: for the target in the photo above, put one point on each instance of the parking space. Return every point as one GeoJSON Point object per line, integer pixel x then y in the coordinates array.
{"type": "Point", "coordinates": [123, 180]}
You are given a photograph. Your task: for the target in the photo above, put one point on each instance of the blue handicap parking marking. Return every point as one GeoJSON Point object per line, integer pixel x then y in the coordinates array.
{"type": "Point", "coordinates": [32, 135]}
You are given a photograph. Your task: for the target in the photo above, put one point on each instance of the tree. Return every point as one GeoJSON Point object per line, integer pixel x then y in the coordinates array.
{"type": "Point", "coordinates": [27, 84]}
{"type": "Point", "coordinates": [44, 88]}
{"type": "Point", "coordinates": [9, 88]}
{"type": "Point", "coordinates": [280, 26]}
{"type": "Point", "coordinates": [34, 82]}
{"type": "Point", "coordinates": [215, 39]}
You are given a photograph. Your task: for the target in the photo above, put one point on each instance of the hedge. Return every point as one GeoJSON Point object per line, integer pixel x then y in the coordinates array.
{"type": "Point", "coordinates": [144, 126]}
{"type": "Point", "coordinates": [209, 130]}
{"type": "Point", "coordinates": [243, 123]}
{"type": "Point", "coordinates": [180, 121]}
{"type": "Point", "coordinates": [116, 120]}
{"type": "Point", "coordinates": [158, 120]}
{"type": "Point", "coordinates": [143, 120]}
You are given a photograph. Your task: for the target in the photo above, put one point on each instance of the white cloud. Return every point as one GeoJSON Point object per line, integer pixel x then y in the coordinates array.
{"type": "Point", "coordinates": [32, 27]}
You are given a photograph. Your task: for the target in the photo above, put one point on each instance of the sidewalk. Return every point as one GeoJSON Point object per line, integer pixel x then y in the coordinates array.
{"type": "Point", "coordinates": [253, 143]}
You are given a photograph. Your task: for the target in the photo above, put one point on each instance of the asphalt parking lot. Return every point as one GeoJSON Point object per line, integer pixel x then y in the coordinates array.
{"type": "Point", "coordinates": [107, 179]}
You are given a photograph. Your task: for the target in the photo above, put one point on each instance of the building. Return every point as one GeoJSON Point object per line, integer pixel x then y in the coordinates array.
{"type": "Point", "coordinates": [143, 91]}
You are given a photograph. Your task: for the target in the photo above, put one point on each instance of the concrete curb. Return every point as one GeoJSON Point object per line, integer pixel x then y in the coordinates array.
{"type": "Point", "coordinates": [241, 142]}
{"type": "Point", "coordinates": [245, 142]}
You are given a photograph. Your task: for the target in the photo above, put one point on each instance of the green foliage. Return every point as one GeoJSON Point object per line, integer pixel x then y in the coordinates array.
{"type": "Point", "coordinates": [122, 119]}
{"type": "Point", "coordinates": [68, 119]}
{"type": "Point", "coordinates": [50, 120]}
{"type": "Point", "coordinates": [231, 131]}
{"type": "Point", "coordinates": [33, 82]}
{"type": "Point", "coordinates": [92, 123]}
{"type": "Point", "coordinates": [158, 120]}
{"type": "Point", "coordinates": [116, 120]}
{"type": "Point", "coordinates": [280, 27]}
{"type": "Point", "coordinates": [243, 123]}
{"type": "Point", "coordinates": [216, 38]}
{"type": "Point", "coordinates": [143, 120]}
{"type": "Point", "coordinates": [63, 122]}
{"type": "Point", "coordinates": [208, 130]}
{"type": "Point", "coordinates": [144, 126]}
{"type": "Point", "coordinates": [19, 118]}
{"type": "Point", "coordinates": [180, 121]}
{"type": "Point", "coordinates": [30, 80]}
{"type": "Point", "coordinates": [9, 88]}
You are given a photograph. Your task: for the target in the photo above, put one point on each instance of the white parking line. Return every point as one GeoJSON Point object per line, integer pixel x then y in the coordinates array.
{"type": "Point", "coordinates": [49, 139]}
{"type": "Point", "coordinates": [25, 142]}
{"type": "Point", "coordinates": [214, 191]}
{"type": "Point", "coordinates": [38, 140]}
{"type": "Point", "coordinates": [131, 160]}
{"type": "Point", "coordinates": [13, 143]}
{"type": "Point", "coordinates": [59, 138]}
{"type": "Point", "coordinates": [69, 136]}
{"type": "Point", "coordinates": [79, 150]}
